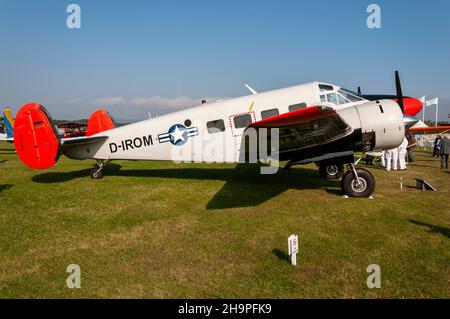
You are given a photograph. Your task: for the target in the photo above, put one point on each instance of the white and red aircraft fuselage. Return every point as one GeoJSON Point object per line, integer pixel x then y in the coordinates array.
{"type": "Point", "coordinates": [315, 122]}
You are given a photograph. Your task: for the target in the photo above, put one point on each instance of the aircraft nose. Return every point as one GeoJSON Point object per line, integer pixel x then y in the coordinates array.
{"type": "Point", "coordinates": [412, 106]}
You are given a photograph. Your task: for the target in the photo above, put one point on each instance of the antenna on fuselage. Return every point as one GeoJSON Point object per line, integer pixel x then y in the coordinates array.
{"type": "Point", "coordinates": [250, 89]}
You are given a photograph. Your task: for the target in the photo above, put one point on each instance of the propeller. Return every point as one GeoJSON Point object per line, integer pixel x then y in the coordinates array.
{"type": "Point", "coordinates": [398, 87]}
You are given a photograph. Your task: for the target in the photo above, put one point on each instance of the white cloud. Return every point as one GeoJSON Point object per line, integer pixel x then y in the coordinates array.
{"type": "Point", "coordinates": [75, 101]}
{"type": "Point", "coordinates": [109, 101]}
{"type": "Point", "coordinates": [135, 108]}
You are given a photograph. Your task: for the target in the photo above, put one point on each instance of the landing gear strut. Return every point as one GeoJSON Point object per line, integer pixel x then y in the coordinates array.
{"type": "Point", "coordinates": [357, 182]}
{"type": "Point", "coordinates": [97, 173]}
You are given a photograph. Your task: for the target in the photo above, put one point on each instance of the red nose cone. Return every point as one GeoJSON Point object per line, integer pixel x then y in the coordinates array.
{"type": "Point", "coordinates": [412, 106]}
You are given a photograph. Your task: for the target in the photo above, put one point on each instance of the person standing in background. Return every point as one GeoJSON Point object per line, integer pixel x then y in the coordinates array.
{"type": "Point", "coordinates": [411, 146]}
{"type": "Point", "coordinates": [437, 146]}
{"type": "Point", "coordinates": [391, 159]}
{"type": "Point", "coordinates": [445, 151]}
{"type": "Point", "coordinates": [402, 149]}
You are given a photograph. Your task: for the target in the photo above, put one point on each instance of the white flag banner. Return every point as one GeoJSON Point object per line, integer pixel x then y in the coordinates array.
{"type": "Point", "coordinates": [422, 99]}
{"type": "Point", "coordinates": [434, 101]}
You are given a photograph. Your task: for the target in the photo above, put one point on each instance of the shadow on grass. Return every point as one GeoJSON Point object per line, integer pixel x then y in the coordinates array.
{"type": "Point", "coordinates": [244, 185]}
{"type": "Point", "coordinates": [3, 161]}
{"type": "Point", "coordinates": [50, 178]}
{"type": "Point", "coordinates": [4, 187]}
{"type": "Point", "coordinates": [281, 255]}
{"type": "Point", "coordinates": [433, 228]}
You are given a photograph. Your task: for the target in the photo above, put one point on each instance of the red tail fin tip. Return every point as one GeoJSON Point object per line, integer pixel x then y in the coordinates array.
{"type": "Point", "coordinates": [100, 121]}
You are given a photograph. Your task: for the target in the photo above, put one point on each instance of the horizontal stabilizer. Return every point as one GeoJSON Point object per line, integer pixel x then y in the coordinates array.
{"type": "Point", "coordinates": [82, 140]}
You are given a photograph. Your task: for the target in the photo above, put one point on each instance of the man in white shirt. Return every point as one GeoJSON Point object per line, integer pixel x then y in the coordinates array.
{"type": "Point", "coordinates": [402, 150]}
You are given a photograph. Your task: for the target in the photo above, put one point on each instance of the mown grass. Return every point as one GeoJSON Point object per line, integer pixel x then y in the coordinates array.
{"type": "Point", "coordinates": [164, 230]}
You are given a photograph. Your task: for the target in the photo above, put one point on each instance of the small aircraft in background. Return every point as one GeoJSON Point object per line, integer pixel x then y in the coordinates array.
{"type": "Point", "coordinates": [315, 122]}
{"type": "Point", "coordinates": [430, 130]}
{"type": "Point", "coordinates": [8, 124]}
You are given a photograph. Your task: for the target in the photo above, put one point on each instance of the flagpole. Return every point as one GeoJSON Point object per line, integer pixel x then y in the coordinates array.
{"type": "Point", "coordinates": [437, 110]}
{"type": "Point", "coordinates": [424, 107]}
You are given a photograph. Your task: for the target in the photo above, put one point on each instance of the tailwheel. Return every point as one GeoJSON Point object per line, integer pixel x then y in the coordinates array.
{"type": "Point", "coordinates": [358, 182]}
{"type": "Point", "coordinates": [333, 171]}
{"type": "Point", "coordinates": [97, 173]}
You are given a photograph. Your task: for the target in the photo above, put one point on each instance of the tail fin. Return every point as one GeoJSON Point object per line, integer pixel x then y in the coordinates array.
{"type": "Point", "coordinates": [36, 139]}
{"type": "Point", "coordinates": [9, 123]}
{"type": "Point", "coordinates": [100, 121]}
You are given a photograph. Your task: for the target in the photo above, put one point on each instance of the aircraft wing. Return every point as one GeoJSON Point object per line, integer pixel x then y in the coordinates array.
{"type": "Point", "coordinates": [430, 130]}
{"type": "Point", "coordinates": [307, 128]}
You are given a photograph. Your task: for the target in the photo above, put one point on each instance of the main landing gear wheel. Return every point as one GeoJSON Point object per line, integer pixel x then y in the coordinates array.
{"type": "Point", "coordinates": [97, 173]}
{"type": "Point", "coordinates": [358, 182]}
{"type": "Point", "coordinates": [334, 171]}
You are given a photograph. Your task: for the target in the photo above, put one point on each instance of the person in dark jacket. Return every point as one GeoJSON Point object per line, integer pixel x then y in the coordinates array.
{"type": "Point", "coordinates": [411, 146]}
{"type": "Point", "coordinates": [437, 146]}
{"type": "Point", "coordinates": [445, 151]}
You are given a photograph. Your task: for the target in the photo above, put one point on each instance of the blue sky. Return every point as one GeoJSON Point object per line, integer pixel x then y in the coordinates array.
{"type": "Point", "coordinates": [131, 57]}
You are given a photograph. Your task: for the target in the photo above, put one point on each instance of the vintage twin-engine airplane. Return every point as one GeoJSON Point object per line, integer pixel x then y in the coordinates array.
{"type": "Point", "coordinates": [314, 122]}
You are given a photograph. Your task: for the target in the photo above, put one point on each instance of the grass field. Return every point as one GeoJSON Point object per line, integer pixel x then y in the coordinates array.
{"type": "Point", "coordinates": [163, 230]}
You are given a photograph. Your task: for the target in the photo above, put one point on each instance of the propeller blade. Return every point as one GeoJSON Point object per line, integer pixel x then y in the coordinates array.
{"type": "Point", "coordinates": [398, 87]}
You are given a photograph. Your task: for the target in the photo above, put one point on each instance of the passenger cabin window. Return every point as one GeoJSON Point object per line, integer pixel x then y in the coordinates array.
{"type": "Point", "coordinates": [323, 98]}
{"type": "Point", "coordinates": [296, 107]}
{"type": "Point", "coordinates": [215, 126]}
{"type": "Point", "coordinates": [242, 121]}
{"type": "Point", "coordinates": [269, 113]}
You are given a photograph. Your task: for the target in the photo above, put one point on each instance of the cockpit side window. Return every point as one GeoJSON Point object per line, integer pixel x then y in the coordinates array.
{"type": "Point", "coordinates": [349, 95]}
{"type": "Point", "coordinates": [332, 98]}
{"type": "Point", "coordinates": [342, 100]}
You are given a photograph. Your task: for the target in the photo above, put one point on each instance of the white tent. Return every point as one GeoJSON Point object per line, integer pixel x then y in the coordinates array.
{"type": "Point", "coordinates": [419, 124]}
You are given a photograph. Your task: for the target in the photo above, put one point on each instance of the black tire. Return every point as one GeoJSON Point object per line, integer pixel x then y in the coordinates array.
{"type": "Point", "coordinates": [333, 171]}
{"type": "Point", "coordinates": [96, 173]}
{"type": "Point", "coordinates": [364, 189]}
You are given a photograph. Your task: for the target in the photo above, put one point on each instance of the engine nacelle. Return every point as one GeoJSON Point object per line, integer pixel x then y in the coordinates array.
{"type": "Point", "coordinates": [381, 123]}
